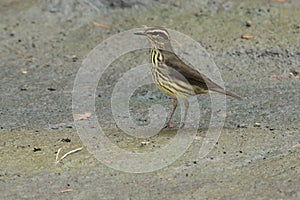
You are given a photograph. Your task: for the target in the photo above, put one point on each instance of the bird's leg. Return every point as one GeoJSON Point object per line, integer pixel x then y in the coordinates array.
{"type": "Point", "coordinates": [175, 102]}
{"type": "Point", "coordinates": [186, 103]}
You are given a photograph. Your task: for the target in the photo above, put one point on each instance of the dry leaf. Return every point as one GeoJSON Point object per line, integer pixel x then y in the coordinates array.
{"type": "Point", "coordinates": [66, 190]}
{"type": "Point", "coordinates": [82, 116]}
{"type": "Point", "coordinates": [100, 25]}
{"type": "Point", "coordinates": [247, 37]}
{"type": "Point", "coordinates": [279, 76]}
{"type": "Point", "coordinates": [296, 145]}
{"type": "Point", "coordinates": [281, 1]}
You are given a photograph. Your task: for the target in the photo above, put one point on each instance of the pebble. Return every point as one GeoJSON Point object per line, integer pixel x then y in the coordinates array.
{"type": "Point", "coordinates": [248, 23]}
{"type": "Point", "coordinates": [242, 125]}
{"type": "Point", "coordinates": [257, 124]}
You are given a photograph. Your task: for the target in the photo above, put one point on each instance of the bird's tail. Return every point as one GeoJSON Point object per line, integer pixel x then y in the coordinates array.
{"type": "Point", "coordinates": [222, 91]}
{"type": "Point", "coordinates": [233, 95]}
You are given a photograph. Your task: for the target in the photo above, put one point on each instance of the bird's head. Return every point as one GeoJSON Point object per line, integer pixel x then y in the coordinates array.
{"type": "Point", "coordinates": [158, 36]}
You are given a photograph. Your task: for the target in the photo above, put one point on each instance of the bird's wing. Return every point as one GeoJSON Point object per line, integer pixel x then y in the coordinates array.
{"type": "Point", "coordinates": [194, 77]}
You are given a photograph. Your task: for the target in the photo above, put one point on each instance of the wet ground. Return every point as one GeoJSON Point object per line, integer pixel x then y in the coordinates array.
{"type": "Point", "coordinates": [43, 44]}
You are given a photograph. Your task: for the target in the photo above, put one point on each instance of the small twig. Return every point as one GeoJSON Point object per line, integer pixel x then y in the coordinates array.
{"type": "Point", "coordinates": [56, 157]}
{"type": "Point", "coordinates": [100, 25]}
{"type": "Point", "coordinates": [70, 152]}
{"type": "Point", "coordinates": [57, 160]}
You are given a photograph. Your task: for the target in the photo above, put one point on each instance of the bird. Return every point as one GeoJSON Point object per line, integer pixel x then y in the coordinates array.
{"type": "Point", "coordinates": [173, 76]}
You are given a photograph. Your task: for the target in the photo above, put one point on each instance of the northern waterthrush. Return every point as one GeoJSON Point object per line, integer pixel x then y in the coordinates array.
{"type": "Point", "coordinates": [173, 76]}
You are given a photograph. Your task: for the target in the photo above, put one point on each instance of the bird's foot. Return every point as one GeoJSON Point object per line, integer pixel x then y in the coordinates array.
{"type": "Point", "coordinates": [168, 126]}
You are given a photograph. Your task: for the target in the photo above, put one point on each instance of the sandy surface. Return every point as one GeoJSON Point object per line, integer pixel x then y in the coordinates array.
{"type": "Point", "coordinates": [43, 44]}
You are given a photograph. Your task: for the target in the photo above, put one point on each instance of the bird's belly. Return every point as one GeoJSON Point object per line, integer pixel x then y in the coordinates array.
{"type": "Point", "coordinates": [166, 90]}
{"type": "Point", "coordinates": [162, 82]}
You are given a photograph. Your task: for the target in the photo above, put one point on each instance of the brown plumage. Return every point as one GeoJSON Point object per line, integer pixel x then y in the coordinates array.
{"type": "Point", "coordinates": [200, 83]}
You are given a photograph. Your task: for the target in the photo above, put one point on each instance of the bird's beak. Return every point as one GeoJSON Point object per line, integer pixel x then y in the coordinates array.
{"type": "Point", "coordinates": [140, 33]}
